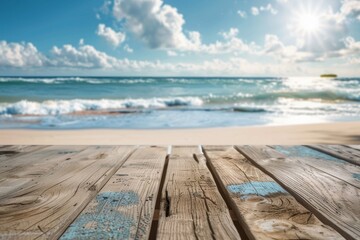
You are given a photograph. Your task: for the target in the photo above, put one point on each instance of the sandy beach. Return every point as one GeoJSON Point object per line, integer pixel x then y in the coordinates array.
{"type": "Point", "coordinates": [326, 133]}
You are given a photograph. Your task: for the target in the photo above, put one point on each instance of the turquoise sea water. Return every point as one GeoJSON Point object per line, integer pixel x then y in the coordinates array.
{"type": "Point", "coordinates": [150, 102]}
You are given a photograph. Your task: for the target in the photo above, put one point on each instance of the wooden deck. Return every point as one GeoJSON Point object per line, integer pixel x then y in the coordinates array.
{"type": "Point", "coordinates": [180, 192]}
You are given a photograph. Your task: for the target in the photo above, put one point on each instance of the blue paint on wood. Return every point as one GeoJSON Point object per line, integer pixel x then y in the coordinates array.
{"type": "Point", "coordinates": [263, 189]}
{"type": "Point", "coordinates": [305, 152]}
{"type": "Point", "coordinates": [356, 176]}
{"type": "Point", "coordinates": [106, 221]}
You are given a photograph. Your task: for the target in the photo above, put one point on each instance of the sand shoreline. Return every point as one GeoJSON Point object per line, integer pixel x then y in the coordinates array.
{"type": "Point", "coordinates": [324, 133]}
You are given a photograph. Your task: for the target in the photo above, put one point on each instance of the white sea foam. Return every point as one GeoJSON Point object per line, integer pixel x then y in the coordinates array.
{"type": "Point", "coordinates": [56, 107]}
{"type": "Point", "coordinates": [92, 80]}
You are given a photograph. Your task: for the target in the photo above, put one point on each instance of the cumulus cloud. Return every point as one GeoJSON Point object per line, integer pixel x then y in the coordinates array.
{"type": "Point", "coordinates": [352, 47]}
{"type": "Point", "coordinates": [230, 44]}
{"type": "Point", "coordinates": [85, 56]}
{"type": "Point", "coordinates": [20, 55]}
{"type": "Point", "coordinates": [290, 53]}
{"type": "Point", "coordinates": [113, 37]}
{"type": "Point", "coordinates": [157, 24]}
{"type": "Point", "coordinates": [25, 55]}
{"type": "Point", "coordinates": [287, 53]}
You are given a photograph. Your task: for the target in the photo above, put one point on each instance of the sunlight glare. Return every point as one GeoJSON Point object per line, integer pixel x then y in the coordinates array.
{"type": "Point", "coordinates": [308, 23]}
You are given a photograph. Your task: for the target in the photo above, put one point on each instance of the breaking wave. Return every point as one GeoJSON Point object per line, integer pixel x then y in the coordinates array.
{"type": "Point", "coordinates": [57, 107]}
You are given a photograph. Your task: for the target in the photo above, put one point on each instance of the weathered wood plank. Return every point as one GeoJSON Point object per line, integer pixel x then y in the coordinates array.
{"type": "Point", "coordinates": [333, 200]}
{"type": "Point", "coordinates": [57, 193]}
{"type": "Point", "coordinates": [22, 172]}
{"type": "Point", "coordinates": [357, 147]}
{"type": "Point", "coordinates": [10, 151]}
{"type": "Point", "coordinates": [124, 208]}
{"type": "Point", "coordinates": [338, 168]}
{"type": "Point", "coordinates": [191, 206]}
{"type": "Point", "coordinates": [266, 210]}
{"type": "Point", "coordinates": [342, 152]}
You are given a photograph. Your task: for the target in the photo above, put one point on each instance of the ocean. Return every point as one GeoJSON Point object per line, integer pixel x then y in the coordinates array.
{"type": "Point", "coordinates": [180, 102]}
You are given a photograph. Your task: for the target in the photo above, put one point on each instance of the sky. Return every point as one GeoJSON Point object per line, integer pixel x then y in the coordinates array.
{"type": "Point", "coordinates": [180, 37]}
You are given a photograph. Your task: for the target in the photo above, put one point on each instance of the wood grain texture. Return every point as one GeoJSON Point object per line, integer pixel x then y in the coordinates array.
{"type": "Point", "coordinates": [191, 205]}
{"type": "Point", "coordinates": [52, 186]}
{"type": "Point", "coordinates": [348, 154]}
{"type": "Point", "coordinates": [264, 208]}
{"type": "Point", "coordinates": [333, 200]}
{"type": "Point", "coordinates": [11, 151]}
{"type": "Point", "coordinates": [124, 208]}
{"type": "Point", "coordinates": [338, 168]}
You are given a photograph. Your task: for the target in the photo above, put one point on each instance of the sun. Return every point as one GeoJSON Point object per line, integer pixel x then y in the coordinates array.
{"type": "Point", "coordinates": [308, 23]}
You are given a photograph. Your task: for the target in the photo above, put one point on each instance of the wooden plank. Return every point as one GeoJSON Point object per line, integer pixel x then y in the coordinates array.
{"type": "Point", "coordinates": [338, 168]}
{"type": "Point", "coordinates": [265, 209]}
{"type": "Point", "coordinates": [342, 152]}
{"type": "Point", "coordinates": [333, 200]}
{"type": "Point", "coordinates": [124, 208]}
{"type": "Point", "coordinates": [10, 151]}
{"type": "Point", "coordinates": [191, 205]}
{"type": "Point", "coordinates": [38, 156]}
{"type": "Point", "coordinates": [357, 147]}
{"type": "Point", "coordinates": [22, 172]}
{"type": "Point", "coordinates": [57, 193]}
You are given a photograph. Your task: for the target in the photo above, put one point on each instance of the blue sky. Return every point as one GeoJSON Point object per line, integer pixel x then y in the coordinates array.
{"type": "Point", "coordinates": [180, 37]}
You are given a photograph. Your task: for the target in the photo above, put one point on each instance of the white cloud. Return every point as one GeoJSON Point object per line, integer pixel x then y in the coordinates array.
{"type": "Point", "coordinates": [352, 47]}
{"type": "Point", "coordinates": [114, 38]}
{"type": "Point", "coordinates": [268, 8]}
{"type": "Point", "coordinates": [20, 55]}
{"type": "Point", "coordinates": [128, 49]}
{"type": "Point", "coordinates": [242, 14]}
{"type": "Point", "coordinates": [233, 32]}
{"type": "Point", "coordinates": [255, 11]}
{"type": "Point", "coordinates": [290, 53]}
{"type": "Point", "coordinates": [157, 24]}
{"type": "Point", "coordinates": [85, 56]}
{"type": "Point", "coordinates": [351, 7]}
{"type": "Point", "coordinates": [81, 41]}
{"type": "Point", "coordinates": [231, 44]}
{"type": "Point", "coordinates": [286, 53]}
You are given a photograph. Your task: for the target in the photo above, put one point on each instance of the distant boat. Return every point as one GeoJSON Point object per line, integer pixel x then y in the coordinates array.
{"type": "Point", "coordinates": [328, 76]}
